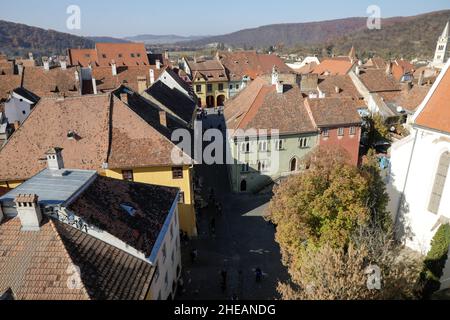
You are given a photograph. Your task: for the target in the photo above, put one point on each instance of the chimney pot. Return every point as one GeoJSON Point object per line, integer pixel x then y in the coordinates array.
{"type": "Point", "coordinates": [163, 118]}
{"type": "Point", "coordinates": [29, 212]}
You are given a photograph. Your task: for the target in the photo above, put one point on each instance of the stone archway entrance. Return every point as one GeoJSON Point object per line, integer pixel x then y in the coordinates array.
{"type": "Point", "coordinates": [210, 101]}
{"type": "Point", "coordinates": [220, 100]}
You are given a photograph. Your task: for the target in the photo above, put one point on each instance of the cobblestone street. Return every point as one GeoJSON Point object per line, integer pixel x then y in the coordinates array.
{"type": "Point", "coordinates": [242, 242]}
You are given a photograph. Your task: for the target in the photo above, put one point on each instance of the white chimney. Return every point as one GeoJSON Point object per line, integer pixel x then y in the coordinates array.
{"type": "Point", "coordinates": [337, 89]}
{"type": "Point", "coordinates": [280, 87]}
{"type": "Point", "coordinates": [274, 76]}
{"type": "Point", "coordinates": [358, 71]}
{"type": "Point", "coordinates": [166, 54]}
{"type": "Point", "coordinates": [30, 56]}
{"type": "Point", "coordinates": [152, 76]}
{"type": "Point", "coordinates": [63, 64]}
{"type": "Point", "coordinates": [29, 211]}
{"type": "Point", "coordinates": [20, 68]}
{"type": "Point", "coordinates": [158, 64]}
{"type": "Point", "coordinates": [54, 159]}
{"type": "Point", "coordinates": [114, 68]}
{"type": "Point", "coordinates": [46, 63]}
{"type": "Point", "coordinates": [77, 76]}
{"type": "Point", "coordinates": [94, 85]}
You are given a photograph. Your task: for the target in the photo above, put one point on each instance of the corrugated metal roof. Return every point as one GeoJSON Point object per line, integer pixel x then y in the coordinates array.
{"type": "Point", "coordinates": [52, 187]}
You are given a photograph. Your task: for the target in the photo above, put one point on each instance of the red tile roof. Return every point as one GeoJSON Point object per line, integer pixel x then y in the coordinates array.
{"type": "Point", "coordinates": [334, 67]}
{"type": "Point", "coordinates": [376, 80]}
{"type": "Point", "coordinates": [436, 113]}
{"type": "Point", "coordinates": [251, 64]}
{"type": "Point", "coordinates": [39, 265]}
{"type": "Point", "coordinates": [124, 54]}
{"type": "Point", "coordinates": [134, 142]}
{"type": "Point", "coordinates": [330, 112]}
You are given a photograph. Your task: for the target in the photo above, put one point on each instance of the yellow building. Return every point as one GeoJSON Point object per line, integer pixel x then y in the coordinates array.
{"type": "Point", "coordinates": [118, 134]}
{"type": "Point", "coordinates": [209, 81]}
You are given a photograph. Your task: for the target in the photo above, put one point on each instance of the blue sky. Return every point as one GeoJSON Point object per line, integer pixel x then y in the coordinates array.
{"type": "Point", "coordinates": [196, 17]}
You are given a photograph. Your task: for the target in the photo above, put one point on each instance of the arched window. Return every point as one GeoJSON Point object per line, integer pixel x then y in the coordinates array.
{"type": "Point", "coordinates": [243, 185]}
{"type": "Point", "coordinates": [293, 165]}
{"type": "Point", "coordinates": [439, 183]}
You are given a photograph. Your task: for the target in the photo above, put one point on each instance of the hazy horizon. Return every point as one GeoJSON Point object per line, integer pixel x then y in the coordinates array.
{"type": "Point", "coordinates": [187, 19]}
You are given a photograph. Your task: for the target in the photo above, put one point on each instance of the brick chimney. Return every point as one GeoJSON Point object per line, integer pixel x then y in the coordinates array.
{"type": "Point", "coordinates": [124, 97]}
{"type": "Point", "coordinates": [114, 67]}
{"type": "Point", "coordinates": [29, 212]}
{"type": "Point", "coordinates": [55, 159]}
{"type": "Point", "coordinates": [163, 118]}
{"type": "Point", "coordinates": [142, 84]}
{"type": "Point", "coordinates": [46, 63]}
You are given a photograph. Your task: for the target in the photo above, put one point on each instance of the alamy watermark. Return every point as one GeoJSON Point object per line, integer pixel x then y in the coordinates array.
{"type": "Point", "coordinates": [73, 22]}
{"type": "Point", "coordinates": [374, 20]}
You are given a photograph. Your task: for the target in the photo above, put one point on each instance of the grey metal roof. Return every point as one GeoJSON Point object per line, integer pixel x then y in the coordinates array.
{"type": "Point", "coordinates": [52, 189]}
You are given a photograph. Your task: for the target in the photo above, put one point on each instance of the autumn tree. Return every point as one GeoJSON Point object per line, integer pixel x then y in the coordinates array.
{"type": "Point", "coordinates": [319, 214]}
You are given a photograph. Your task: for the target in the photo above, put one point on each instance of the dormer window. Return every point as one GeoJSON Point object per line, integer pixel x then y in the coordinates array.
{"type": "Point", "coordinates": [132, 55]}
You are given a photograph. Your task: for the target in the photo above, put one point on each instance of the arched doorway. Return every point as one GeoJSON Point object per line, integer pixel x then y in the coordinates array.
{"type": "Point", "coordinates": [293, 165]}
{"type": "Point", "coordinates": [210, 101]}
{"type": "Point", "coordinates": [244, 185]}
{"type": "Point", "coordinates": [220, 100]}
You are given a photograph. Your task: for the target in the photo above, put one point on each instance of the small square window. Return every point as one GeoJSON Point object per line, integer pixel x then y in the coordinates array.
{"type": "Point", "coordinates": [210, 87]}
{"type": "Point", "coordinates": [220, 86]}
{"type": "Point", "coordinates": [132, 55]}
{"type": "Point", "coordinates": [128, 175]}
{"type": "Point", "coordinates": [341, 132]}
{"type": "Point", "coordinates": [325, 133]}
{"type": "Point", "coordinates": [352, 131]}
{"type": "Point", "coordinates": [177, 173]}
{"type": "Point", "coordinates": [104, 56]}
{"type": "Point", "coordinates": [198, 88]}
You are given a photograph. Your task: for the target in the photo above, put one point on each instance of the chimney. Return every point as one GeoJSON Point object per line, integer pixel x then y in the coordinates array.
{"type": "Point", "coordinates": [389, 68]}
{"type": "Point", "coordinates": [280, 87]}
{"type": "Point", "coordinates": [30, 56]}
{"type": "Point", "coordinates": [54, 159]}
{"type": "Point", "coordinates": [337, 89]}
{"type": "Point", "coordinates": [63, 63]}
{"type": "Point", "coordinates": [421, 78]}
{"type": "Point", "coordinates": [29, 212]}
{"type": "Point", "coordinates": [163, 118]}
{"type": "Point", "coordinates": [358, 70]}
{"type": "Point", "coordinates": [152, 76]}
{"type": "Point", "coordinates": [124, 97]}
{"type": "Point", "coordinates": [166, 54]}
{"type": "Point", "coordinates": [158, 64]}
{"type": "Point", "coordinates": [20, 68]}
{"type": "Point", "coordinates": [142, 84]}
{"type": "Point", "coordinates": [46, 63]}
{"type": "Point", "coordinates": [77, 76]}
{"type": "Point", "coordinates": [274, 76]}
{"type": "Point", "coordinates": [94, 85]}
{"type": "Point", "coordinates": [114, 68]}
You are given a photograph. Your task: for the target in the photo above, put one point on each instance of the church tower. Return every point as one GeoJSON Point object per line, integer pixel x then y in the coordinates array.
{"type": "Point", "coordinates": [442, 49]}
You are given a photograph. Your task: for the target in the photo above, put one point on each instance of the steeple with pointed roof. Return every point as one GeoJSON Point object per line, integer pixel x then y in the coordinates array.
{"type": "Point", "coordinates": [442, 49]}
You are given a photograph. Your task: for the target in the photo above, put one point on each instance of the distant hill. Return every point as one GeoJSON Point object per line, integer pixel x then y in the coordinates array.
{"type": "Point", "coordinates": [107, 40]}
{"type": "Point", "coordinates": [162, 39]}
{"type": "Point", "coordinates": [399, 36]}
{"type": "Point", "coordinates": [19, 39]}
{"type": "Point", "coordinates": [409, 38]}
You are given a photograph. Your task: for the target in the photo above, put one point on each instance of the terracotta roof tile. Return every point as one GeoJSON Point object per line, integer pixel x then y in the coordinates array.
{"type": "Point", "coordinates": [7, 84]}
{"type": "Point", "coordinates": [436, 113]}
{"type": "Point", "coordinates": [53, 82]}
{"type": "Point", "coordinates": [333, 67]}
{"type": "Point", "coordinates": [339, 86]}
{"type": "Point", "coordinates": [329, 112]}
{"type": "Point", "coordinates": [376, 80]}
